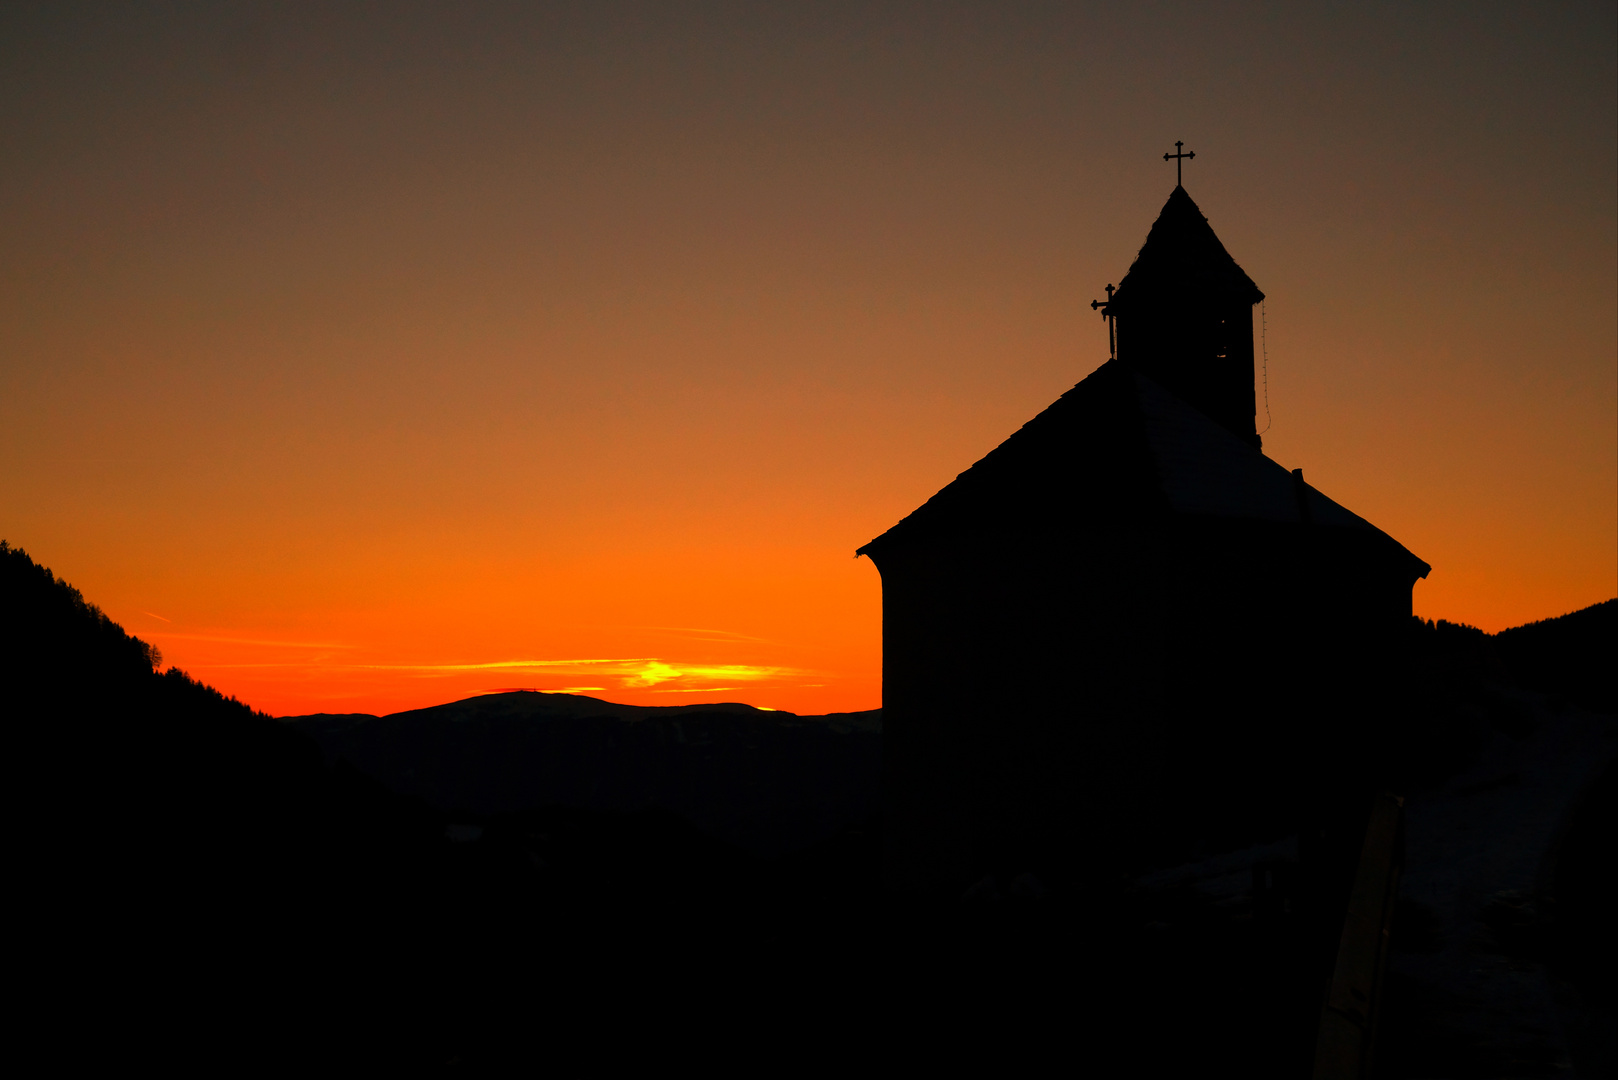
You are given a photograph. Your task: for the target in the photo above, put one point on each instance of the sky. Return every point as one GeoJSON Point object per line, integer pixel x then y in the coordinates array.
{"type": "Point", "coordinates": [369, 356]}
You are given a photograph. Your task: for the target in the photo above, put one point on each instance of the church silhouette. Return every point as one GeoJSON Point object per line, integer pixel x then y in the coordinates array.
{"type": "Point", "coordinates": [1125, 636]}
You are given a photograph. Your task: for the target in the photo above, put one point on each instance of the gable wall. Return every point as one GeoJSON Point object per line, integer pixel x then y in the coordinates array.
{"type": "Point", "coordinates": [1121, 693]}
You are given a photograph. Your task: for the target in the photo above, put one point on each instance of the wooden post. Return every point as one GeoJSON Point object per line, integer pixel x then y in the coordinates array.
{"type": "Point", "coordinates": [1348, 1016]}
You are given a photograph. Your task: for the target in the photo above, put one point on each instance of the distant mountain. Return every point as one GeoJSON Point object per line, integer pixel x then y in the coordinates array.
{"type": "Point", "coordinates": [767, 781]}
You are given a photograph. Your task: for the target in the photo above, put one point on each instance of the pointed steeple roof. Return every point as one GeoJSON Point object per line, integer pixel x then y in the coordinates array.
{"type": "Point", "coordinates": [1117, 448]}
{"type": "Point", "coordinates": [1182, 255]}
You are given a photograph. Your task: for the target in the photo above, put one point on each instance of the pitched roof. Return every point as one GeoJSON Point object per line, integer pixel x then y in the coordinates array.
{"type": "Point", "coordinates": [1119, 447]}
{"type": "Point", "coordinates": [1182, 254]}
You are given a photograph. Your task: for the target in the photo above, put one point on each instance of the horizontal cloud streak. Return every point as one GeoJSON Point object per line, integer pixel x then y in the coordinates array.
{"type": "Point", "coordinates": [708, 635]}
{"type": "Point", "coordinates": [243, 641]}
{"type": "Point", "coordinates": [639, 672]}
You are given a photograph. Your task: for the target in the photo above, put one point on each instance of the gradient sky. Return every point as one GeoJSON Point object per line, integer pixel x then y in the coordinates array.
{"type": "Point", "coordinates": [368, 356]}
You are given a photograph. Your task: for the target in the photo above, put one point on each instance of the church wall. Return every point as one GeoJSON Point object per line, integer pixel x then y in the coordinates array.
{"type": "Point", "coordinates": [981, 647]}
{"type": "Point", "coordinates": [1110, 694]}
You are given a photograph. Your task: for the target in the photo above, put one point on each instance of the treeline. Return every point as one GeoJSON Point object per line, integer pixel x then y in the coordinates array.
{"type": "Point", "coordinates": [184, 850]}
{"type": "Point", "coordinates": [1464, 683]}
{"type": "Point", "coordinates": [1567, 659]}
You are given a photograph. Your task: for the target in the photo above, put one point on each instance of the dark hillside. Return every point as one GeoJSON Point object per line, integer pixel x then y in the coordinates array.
{"type": "Point", "coordinates": [1570, 657]}
{"type": "Point", "coordinates": [181, 842]}
{"type": "Point", "coordinates": [203, 888]}
{"type": "Point", "coordinates": [519, 881]}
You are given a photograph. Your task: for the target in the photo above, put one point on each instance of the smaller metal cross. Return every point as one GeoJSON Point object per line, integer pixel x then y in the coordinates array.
{"type": "Point", "coordinates": [1179, 160]}
{"type": "Point", "coordinates": [1112, 345]}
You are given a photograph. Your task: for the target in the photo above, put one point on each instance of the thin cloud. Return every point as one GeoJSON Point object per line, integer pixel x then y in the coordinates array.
{"type": "Point", "coordinates": [246, 641]}
{"type": "Point", "coordinates": [634, 673]}
{"type": "Point", "coordinates": [627, 663]}
{"type": "Point", "coordinates": [278, 664]}
{"type": "Point", "coordinates": [594, 674]}
{"type": "Point", "coordinates": [708, 635]}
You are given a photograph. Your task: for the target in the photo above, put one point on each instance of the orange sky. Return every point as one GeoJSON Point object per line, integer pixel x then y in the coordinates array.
{"type": "Point", "coordinates": [368, 358]}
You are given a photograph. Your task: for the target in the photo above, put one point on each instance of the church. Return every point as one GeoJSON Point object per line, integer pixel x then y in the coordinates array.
{"type": "Point", "coordinates": [1125, 636]}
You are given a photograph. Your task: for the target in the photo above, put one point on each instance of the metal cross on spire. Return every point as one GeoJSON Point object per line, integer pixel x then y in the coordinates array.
{"type": "Point", "coordinates": [1179, 160]}
{"type": "Point", "coordinates": [1106, 313]}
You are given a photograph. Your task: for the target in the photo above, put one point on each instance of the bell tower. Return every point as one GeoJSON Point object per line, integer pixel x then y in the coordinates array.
{"type": "Point", "coordinates": [1184, 316]}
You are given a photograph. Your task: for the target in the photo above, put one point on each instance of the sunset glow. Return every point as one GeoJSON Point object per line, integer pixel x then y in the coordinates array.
{"type": "Point", "coordinates": [362, 367]}
{"type": "Point", "coordinates": [271, 663]}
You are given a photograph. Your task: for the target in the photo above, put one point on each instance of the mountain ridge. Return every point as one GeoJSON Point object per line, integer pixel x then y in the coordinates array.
{"type": "Point", "coordinates": [559, 704]}
{"type": "Point", "coordinates": [767, 781]}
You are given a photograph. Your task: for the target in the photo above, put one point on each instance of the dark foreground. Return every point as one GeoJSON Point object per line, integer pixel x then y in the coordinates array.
{"type": "Point", "coordinates": [200, 885]}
